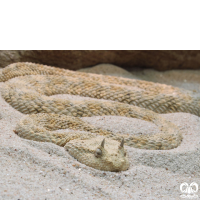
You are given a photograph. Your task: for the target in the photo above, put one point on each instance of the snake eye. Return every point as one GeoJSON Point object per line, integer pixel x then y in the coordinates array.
{"type": "Point", "coordinates": [98, 153]}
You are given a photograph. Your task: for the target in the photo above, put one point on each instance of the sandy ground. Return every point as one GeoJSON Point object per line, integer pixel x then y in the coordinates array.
{"type": "Point", "coordinates": [35, 170]}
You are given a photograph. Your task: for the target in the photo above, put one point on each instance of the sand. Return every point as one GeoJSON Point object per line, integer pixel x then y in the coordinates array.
{"type": "Point", "coordinates": [36, 170]}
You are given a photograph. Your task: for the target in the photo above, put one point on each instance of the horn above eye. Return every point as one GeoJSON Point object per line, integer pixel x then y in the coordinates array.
{"type": "Point", "coordinates": [122, 143]}
{"type": "Point", "coordinates": [103, 142]}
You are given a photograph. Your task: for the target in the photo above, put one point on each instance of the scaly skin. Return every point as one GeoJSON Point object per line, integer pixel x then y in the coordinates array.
{"type": "Point", "coordinates": [159, 98]}
{"type": "Point", "coordinates": [82, 146]}
{"type": "Point", "coordinates": [30, 93]}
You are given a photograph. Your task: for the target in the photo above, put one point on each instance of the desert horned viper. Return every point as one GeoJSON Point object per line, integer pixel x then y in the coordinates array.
{"type": "Point", "coordinates": [29, 88]}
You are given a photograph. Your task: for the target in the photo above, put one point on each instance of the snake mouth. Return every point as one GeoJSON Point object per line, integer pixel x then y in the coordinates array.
{"type": "Point", "coordinates": [123, 167]}
{"type": "Point", "coordinates": [111, 166]}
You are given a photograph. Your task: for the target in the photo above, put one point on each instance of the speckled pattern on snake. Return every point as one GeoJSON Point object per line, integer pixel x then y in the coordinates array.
{"type": "Point", "coordinates": [29, 87]}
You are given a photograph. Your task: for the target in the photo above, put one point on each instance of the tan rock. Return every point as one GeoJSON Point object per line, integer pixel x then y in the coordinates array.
{"type": "Point", "coordinates": [160, 60]}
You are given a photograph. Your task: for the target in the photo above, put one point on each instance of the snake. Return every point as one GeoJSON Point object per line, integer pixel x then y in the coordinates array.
{"type": "Point", "coordinates": [30, 89]}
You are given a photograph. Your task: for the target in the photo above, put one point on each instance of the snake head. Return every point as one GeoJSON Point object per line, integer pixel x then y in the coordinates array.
{"type": "Point", "coordinates": [106, 155]}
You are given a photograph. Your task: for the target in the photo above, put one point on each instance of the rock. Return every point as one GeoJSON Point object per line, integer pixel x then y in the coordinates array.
{"type": "Point", "coordinates": [160, 60]}
{"type": "Point", "coordinates": [108, 69]}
